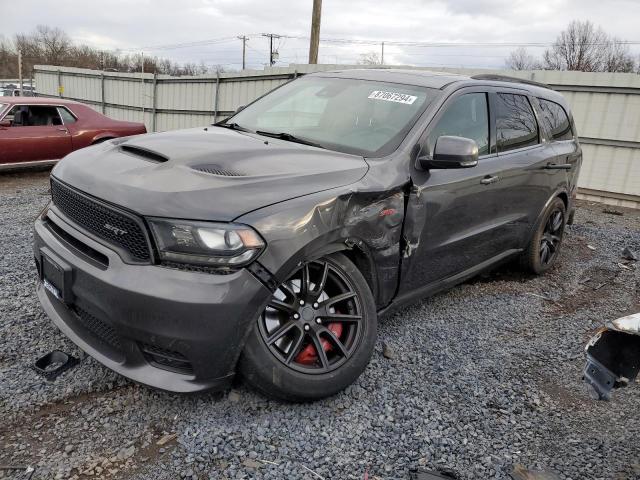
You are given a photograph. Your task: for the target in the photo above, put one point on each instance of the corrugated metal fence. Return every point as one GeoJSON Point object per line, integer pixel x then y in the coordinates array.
{"type": "Point", "coordinates": [606, 107]}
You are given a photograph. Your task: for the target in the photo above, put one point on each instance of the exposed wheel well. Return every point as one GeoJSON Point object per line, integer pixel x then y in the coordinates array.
{"type": "Point", "coordinates": [363, 263]}
{"type": "Point", "coordinates": [565, 198]}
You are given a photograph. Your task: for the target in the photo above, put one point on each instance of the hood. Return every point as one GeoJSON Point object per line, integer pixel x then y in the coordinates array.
{"type": "Point", "coordinates": [205, 174]}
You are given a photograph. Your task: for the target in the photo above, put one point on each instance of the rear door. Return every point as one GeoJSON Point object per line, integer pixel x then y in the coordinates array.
{"type": "Point", "coordinates": [36, 133]}
{"type": "Point", "coordinates": [453, 214]}
{"type": "Point", "coordinates": [560, 132]}
{"type": "Point", "coordinates": [525, 183]}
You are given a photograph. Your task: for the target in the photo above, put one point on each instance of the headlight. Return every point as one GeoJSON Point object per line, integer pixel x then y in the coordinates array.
{"type": "Point", "coordinates": [206, 243]}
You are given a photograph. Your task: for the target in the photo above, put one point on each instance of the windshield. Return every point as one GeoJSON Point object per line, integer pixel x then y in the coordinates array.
{"type": "Point", "coordinates": [353, 116]}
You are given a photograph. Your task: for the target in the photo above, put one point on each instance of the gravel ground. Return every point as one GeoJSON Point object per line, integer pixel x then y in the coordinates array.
{"type": "Point", "coordinates": [482, 377]}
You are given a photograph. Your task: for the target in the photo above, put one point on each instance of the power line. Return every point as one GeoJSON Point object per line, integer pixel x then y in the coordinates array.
{"type": "Point", "coordinates": [272, 54]}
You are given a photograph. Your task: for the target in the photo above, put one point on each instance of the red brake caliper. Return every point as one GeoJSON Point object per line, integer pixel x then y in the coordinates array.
{"type": "Point", "coordinates": [309, 355]}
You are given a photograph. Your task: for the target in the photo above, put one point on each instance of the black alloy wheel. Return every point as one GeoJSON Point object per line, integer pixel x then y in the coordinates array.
{"type": "Point", "coordinates": [551, 237]}
{"type": "Point", "coordinates": [312, 323]}
{"type": "Point", "coordinates": [316, 334]}
{"type": "Point", "coordinates": [544, 247]}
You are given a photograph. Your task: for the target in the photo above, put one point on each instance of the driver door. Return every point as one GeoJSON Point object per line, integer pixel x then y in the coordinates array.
{"type": "Point", "coordinates": [452, 223]}
{"type": "Point", "coordinates": [36, 133]}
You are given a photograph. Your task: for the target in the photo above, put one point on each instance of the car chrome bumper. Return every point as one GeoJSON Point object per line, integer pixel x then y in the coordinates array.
{"type": "Point", "coordinates": [172, 329]}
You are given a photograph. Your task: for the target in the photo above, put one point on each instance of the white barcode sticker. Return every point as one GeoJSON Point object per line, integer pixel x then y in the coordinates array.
{"type": "Point", "coordinates": [392, 97]}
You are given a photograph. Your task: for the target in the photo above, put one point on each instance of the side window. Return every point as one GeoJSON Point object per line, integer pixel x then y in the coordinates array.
{"type": "Point", "coordinates": [18, 116]}
{"type": "Point", "coordinates": [66, 115]}
{"type": "Point", "coordinates": [556, 120]}
{"type": "Point", "coordinates": [467, 116]}
{"type": "Point", "coordinates": [43, 116]}
{"type": "Point", "coordinates": [515, 122]}
{"type": "Point", "coordinates": [33, 116]}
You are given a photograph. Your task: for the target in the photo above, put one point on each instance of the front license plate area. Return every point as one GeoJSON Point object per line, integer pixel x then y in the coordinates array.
{"type": "Point", "coordinates": [56, 277]}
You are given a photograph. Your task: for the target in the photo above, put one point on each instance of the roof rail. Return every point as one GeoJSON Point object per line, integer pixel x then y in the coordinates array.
{"type": "Point", "coordinates": [506, 78]}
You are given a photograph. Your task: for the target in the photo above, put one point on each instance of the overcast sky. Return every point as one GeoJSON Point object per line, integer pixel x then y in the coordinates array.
{"type": "Point", "coordinates": [143, 25]}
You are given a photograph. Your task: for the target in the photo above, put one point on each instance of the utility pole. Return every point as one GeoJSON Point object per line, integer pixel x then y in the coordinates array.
{"type": "Point", "coordinates": [315, 31]}
{"type": "Point", "coordinates": [382, 57]}
{"type": "Point", "coordinates": [272, 55]}
{"type": "Point", "coordinates": [142, 79]}
{"type": "Point", "coordinates": [20, 70]}
{"type": "Point", "coordinates": [244, 49]}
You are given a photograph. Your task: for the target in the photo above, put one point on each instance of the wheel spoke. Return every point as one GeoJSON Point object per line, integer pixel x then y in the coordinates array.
{"type": "Point", "coordinates": [306, 282]}
{"type": "Point", "coordinates": [335, 341]}
{"type": "Point", "coordinates": [557, 222]}
{"type": "Point", "coordinates": [338, 298]}
{"type": "Point", "coordinates": [322, 355]}
{"type": "Point", "coordinates": [295, 347]}
{"type": "Point", "coordinates": [323, 280]}
{"type": "Point", "coordinates": [282, 306]}
{"type": "Point", "coordinates": [288, 291]}
{"type": "Point", "coordinates": [280, 332]}
{"type": "Point", "coordinates": [544, 252]}
{"type": "Point", "coordinates": [339, 317]}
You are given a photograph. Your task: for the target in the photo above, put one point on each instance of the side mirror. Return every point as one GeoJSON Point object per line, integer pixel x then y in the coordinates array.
{"type": "Point", "coordinates": [451, 152]}
{"type": "Point", "coordinates": [5, 123]}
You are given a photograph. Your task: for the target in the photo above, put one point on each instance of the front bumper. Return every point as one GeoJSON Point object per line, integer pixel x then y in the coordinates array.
{"type": "Point", "coordinates": [172, 329]}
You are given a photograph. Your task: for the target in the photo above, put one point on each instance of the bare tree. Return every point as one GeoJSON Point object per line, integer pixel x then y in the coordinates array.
{"type": "Point", "coordinates": [521, 59]}
{"type": "Point", "coordinates": [619, 58]}
{"type": "Point", "coordinates": [585, 48]}
{"type": "Point", "coordinates": [53, 46]}
{"type": "Point", "coordinates": [370, 58]}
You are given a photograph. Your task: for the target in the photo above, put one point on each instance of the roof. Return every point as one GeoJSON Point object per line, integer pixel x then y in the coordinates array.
{"type": "Point", "coordinates": [440, 80]}
{"type": "Point", "coordinates": [423, 78]}
{"type": "Point", "coordinates": [37, 100]}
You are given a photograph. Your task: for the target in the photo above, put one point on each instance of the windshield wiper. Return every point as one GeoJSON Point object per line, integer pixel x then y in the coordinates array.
{"type": "Point", "coordinates": [233, 126]}
{"type": "Point", "coordinates": [288, 137]}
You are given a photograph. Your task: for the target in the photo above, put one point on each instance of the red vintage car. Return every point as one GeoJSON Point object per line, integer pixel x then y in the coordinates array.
{"type": "Point", "coordinates": [40, 131]}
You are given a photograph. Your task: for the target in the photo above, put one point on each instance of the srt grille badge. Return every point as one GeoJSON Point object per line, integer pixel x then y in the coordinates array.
{"type": "Point", "coordinates": [116, 230]}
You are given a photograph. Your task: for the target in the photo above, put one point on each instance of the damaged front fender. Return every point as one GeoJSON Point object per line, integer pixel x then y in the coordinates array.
{"type": "Point", "coordinates": [613, 356]}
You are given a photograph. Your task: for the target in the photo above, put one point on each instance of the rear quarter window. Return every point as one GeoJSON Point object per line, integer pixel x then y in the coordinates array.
{"type": "Point", "coordinates": [556, 120]}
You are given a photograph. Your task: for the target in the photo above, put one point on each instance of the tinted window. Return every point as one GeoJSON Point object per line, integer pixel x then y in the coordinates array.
{"type": "Point", "coordinates": [515, 122]}
{"type": "Point", "coordinates": [556, 120]}
{"type": "Point", "coordinates": [66, 115]}
{"type": "Point", "coordinates": [33, 116]}
{"type": "Point", "coordinates": [467, 116]}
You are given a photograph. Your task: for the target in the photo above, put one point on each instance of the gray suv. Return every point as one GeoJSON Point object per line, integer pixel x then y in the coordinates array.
{"type": "Point", "coordinates": [270, 243]}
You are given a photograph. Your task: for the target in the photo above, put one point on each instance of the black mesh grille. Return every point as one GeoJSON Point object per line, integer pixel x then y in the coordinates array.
{"type": "Point", "coordinates": [116, 227]}
{"type": "Point", "coordinates": [100, 329]}
{"type": "Point", "coordinates": [166, 359]}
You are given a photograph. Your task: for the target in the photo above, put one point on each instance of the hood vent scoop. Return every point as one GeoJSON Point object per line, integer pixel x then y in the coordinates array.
{"type": "Point", "coordinates": [143, 153]}
{"type": "Point", "coordinates": [218, 170]}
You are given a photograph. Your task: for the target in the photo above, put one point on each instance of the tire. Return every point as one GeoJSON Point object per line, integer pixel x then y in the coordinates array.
{"type": "Point", "coordinates": [281, 357]}
{"type": "Point", "coordinates": [543, 250]}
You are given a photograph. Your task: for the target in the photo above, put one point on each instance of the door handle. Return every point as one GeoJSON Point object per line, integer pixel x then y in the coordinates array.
{"type": "Point", "coordinates": [63, 130]}
{"type": "Point", "coordinates": [489, 179]}
{"type": "Point", "coordinates": [556, 166]}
